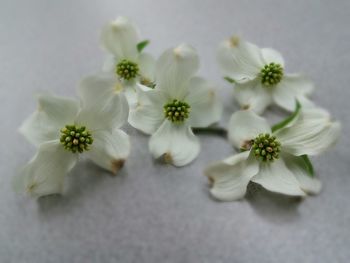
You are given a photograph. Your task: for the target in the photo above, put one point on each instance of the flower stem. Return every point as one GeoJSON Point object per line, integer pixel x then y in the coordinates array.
{"type": "Point", "coordinates": [213, 130]}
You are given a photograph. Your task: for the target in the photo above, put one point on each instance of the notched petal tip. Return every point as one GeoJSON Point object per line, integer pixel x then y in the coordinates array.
{"type": "Point", "coordinates": [116, 165]}
{"type": "Point", "coordinates": [183, 51]}
{"type": "Point", "coordinates": [211, 180]}
{"type": "Point", "coordinates": [119, 23]}
{"type": "Point", "coordinates": [245, 107]}
{"type": "Point", "coordinates": [167, 158]}
{"type": "Point", "coordinates": [30, 188]}
{"type": "Point", "coordinates": [234, 41]}
{"type": "Point", "coordinates": [177, 52]}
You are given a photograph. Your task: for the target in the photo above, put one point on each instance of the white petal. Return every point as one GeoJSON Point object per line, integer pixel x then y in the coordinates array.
{"type": "Point", "coordinates": [306, 102]}
{"type": "Point", "coordinates": [297, 166]}
{"type": "Point", "coordinates": [175, 142]}
{"type": "Point", "coordinates": [45, 173]}
{"type": "Point", "coordinates": [53, 114]}
{"type": "Point", "coordinates": [276, 177]}
{"type": "Point", "coordinates": [272, 56]}
{"type": "Point", "coordinates": [252, 95]}
{"type": "Point", "coordinates": [109, 64]}
{"type": "Point", "coordinates": [130, 92]}
{"type": "Point", "coordinates": [149, 113]}
{"type": "Point", "coordinates": [147, 65]}
{"type": "Point", "coordinates": [109, 149]}
{"type": "Point", "coordinates": [120, 37]}
{"type": "Point", "coordinates": [244, 126]}
{"type": "Point", "coordinates": [107, 112]}
{"type": "Point", "coordinates": [99, 86]}
{"type": "Point", "coordinates": [292, 87]}
{"type": "Point", "coordinates": [231, 176]}
{"type": "Point", "coordinates": [240, 60]}
{"type": "Point", "coordinates": [39, 128]}
{"type": "Point", "coordinates": [312, 133]}
{"type": "Point", "coordinates": [143, 87]}
{"type": "Point", "coordinates": [103, 89]}
{"type": "Point", "coordinates": [62, 110]}
{"type": "Point", "coordinates": [174, 69]}
{"type": "Point", "coordinates": [206, 107]}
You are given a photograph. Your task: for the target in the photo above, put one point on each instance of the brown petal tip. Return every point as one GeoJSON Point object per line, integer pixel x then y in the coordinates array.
{"type": "Point", "coordinates": [211, 180]}
{"type": "Point", "coordinates": [168, 158]}
{"type": "Point", "coordinates": [234, 41]}
{"type": "Point", "coordinates": [116, 165]}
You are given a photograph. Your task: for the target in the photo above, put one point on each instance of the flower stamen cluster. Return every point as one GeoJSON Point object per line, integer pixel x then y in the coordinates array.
{"type": "Point", "coordinates": [271, 74]}
{"type": "Point", "coordinates": [127, 70]}
{"type": "Point", "coordinates": [75, 138]}
{"type": "Point", "coordinates": [176, 111]}
{"type": "Point", "coordinates": [266, 147]}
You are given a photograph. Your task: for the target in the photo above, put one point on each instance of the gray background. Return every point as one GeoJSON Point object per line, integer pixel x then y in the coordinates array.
{"type": "Point", "coordinates": [152, 212]}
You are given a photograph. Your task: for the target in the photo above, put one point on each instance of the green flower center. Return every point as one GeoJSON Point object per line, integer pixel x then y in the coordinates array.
{"type": "Point", "coordinates": [176, 111]}
{"type": "Point", "coordinates": [266, 147]}
{"type": "Point", "coordinates": [75, 138]}
{"type": "Point", "coordinates": [271, 74]}
{"type": "Point", "coordinates": [127, 70]}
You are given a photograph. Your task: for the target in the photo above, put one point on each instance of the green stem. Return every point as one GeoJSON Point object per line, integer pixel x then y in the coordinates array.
{"type": "Point", "coordinates": [213, 130]}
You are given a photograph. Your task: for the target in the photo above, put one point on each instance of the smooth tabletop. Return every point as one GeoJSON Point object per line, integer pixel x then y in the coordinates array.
{"type": "Point", "coordinates": [151, 212]}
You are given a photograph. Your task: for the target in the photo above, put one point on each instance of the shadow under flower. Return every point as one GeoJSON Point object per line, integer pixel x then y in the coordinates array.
{"type": "Point", "coordinates": [83, 180]}
{"type": "Point", "coordinates": [274, 207]}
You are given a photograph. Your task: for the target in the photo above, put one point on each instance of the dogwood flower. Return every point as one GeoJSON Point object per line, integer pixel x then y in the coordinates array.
{"type": "Point", "coordinates": [62, 131]}
{"type": "Point", "coordinates": [276, 158]}
{"type": "Point", "coordinates": [179, 102]}
{"type": "Point", "coordinates": [126, 65]}
{"type": "Point", "coordinates": [259, 77]}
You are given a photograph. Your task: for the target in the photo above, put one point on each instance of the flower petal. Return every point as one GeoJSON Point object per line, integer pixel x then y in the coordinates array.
{"type": "Point", "coordinates": [175, 142]}
{"type": "Point", "coordinates": [174, 68]}
{"type": "Point", "coordinates": [107, 112]}
{"type": "Point", "coordinates": [149, 113]}
{"type": "Point", "coordinates": [110, 63]}
{"type": "Point", "coordinates": [99, 86]}
{"type": "Point", "coordinates": [240, 60]}
{"type": "Point", "coordinates": [277, 178]}
{"type": "Point", "coordinates": [130, 92]}
{"type": "Point", "coordinates": [244, 126]}
{"type": "Point", "coordinates": [109, 149]}
{"type": "Point", "coordinates": [291, 88]}
{"type": "Point", "coordinates": [147, 65]}
{"type": "Point", "coordinates": [206, 107]}
{"type": "Point", "coordinates": [120, 37]}
{"type": "Point", "coordinates": [311, 134]}
{"type": "Point", "coordinates": [39, 128]}
{"type": "Point", "coordinates": [45, 173]}
{"type": "Point", "coordinates": [231, 176]}
{"type": "Point", "coordinates": [252, 95]}
{"type": "Point", "coordinates": [272, 56]}
{"type": "Point", "coordinates": [102, 86]}
{"type": "Point", "coordinates": [53, 113]}
{"type": "Point", "coordinates": [308, 183]}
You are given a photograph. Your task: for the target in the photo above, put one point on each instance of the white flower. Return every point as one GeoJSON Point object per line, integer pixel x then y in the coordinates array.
{"type": "Point", "coordinates": [126, 66]}
{"type": "Point", "coordinates": [62, 130]}
{"type": "Point", "coordinates": [259, 77]}
{"type": "Point", "coordinates": [179, 101]}
{"type": "Point", "coordinates": [275, 159]}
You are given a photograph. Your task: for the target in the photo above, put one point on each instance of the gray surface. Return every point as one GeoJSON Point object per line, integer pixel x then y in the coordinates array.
{"type": "Point", "coordinates": [156, 213]}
